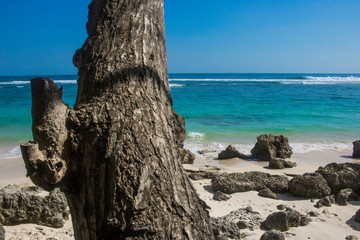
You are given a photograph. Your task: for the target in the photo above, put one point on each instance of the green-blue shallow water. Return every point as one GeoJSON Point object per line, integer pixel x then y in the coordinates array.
{"type": "Point", "coordinates": [316, 111]}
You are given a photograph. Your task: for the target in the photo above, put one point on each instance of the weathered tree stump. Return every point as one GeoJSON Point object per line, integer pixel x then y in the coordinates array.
{"type": "Point", "coordinates": [115, 155]}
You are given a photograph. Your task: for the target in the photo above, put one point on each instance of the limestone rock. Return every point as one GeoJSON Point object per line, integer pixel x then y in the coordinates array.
{"type": "Point", "coordinates": [230, 225]}
{"type": "Point", "coordinates": [267, 193]}
{"type": "Point", "coordinates": [268, 147]}
{"type": "Point", "coordinates": [356, 149]}
{"type": "Point", "coordinates": [345, 195]}
{"type": "Point", "coordinates": [310, 185]}
{"type": "Point", "coordinates": [186, 157]}
{"type": "Point", "coordinates": [277, 163]}
{"type": "Point", "coordinates": [273, 235]}
{"type": "Point", "coordinates": [219, 196]}
{"type": "Point", "coordinates": [30, 205]}
{"type": "Point", "coordinates": [325, 201]}
{"type": "Point", "coordinates": [351, 237]}
{"type": "Point", "coordinates": [281, 207]}
{"type": "Point", "coordinates": [205, 151]}
{"type": "Point", "coordinates": [283, 220]}
{"type": "Point", "coordinates": [357, 216]}
{"type": "Point", "coordinates": [2, 232]}
{"type": "Point", "coordinates": [231, 152]}
{"type": "Point", "coordinates": [341, 176]}
{"type": "Point", "coordinates": [248, 181]}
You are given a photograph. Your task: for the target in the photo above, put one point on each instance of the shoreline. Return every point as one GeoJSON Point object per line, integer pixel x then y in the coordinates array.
{"type": "Point", "coordinates": [336, 221]}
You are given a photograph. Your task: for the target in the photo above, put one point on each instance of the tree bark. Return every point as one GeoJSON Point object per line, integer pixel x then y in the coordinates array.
{"type": "Point", "coordinates": [115, 155]}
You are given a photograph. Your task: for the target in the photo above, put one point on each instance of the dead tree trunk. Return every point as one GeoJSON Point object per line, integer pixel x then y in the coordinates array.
{"type": "Point", "coordinates": [115, 155]}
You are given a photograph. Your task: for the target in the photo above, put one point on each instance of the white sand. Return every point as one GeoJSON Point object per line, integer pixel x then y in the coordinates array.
{"type": "Point", "coordinates": [336, 224]}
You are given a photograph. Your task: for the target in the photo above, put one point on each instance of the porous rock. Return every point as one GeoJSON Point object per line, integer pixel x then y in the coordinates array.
{"type": "Point", "coordinates": [231, 224]}
{"type": "Point", "coordinates": [199, 175]}
{"type": "Point", "coordinates": [310, 185]}
{"type": "Point", "coordinates": [248, 181]}
{"type": "Point", "coordinates": [231, 152]}
{"type": "Point", "coordinates": [325, 201]}
{"type": "Point", "coordinates": [357, 216]}
{"type": "Point", "coordinates": [273, 235]}
{"type": "Point", "coordinates": [283, 220]}
{"type": "Point", "coordinates": [267, 193]}
{"type": "Point", "coordinates": [356, 149]}
{"type": "Point", "coordinates": [2, 232]}
{"type": "Point", "coordinates": [32, 205]}
{"type": "Point", "coordinates": [269, 146]}
{"type": "Point", "coordinates": [278, 163]}
{"type": "Point", "coordinates": [186, 157]}
{"type": "Point", "coordinates": [341, 176]}
{"type": "Point", "coordinates": [351, 237]}
{"type": "Point", "coordinates": [345, 195]}
{"type": "Point", "coordinates": [219, 196]}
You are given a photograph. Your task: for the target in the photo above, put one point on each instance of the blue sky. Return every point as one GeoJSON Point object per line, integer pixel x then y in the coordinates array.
{"type": "Point", "coordinates": [323, 36]}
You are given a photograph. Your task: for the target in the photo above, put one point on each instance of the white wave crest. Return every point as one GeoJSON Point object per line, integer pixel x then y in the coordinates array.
{"type": "Point", "coordinates": [176, 85]}
{"type": "Point", "coordinates": [11, 153]}
{"type": "Point", "coordinates": [66, 81]}
{"type": "Point", "coordinates": [305, 80]}
{"type": "Point", "coordinates": [15, 83]}
{"type": "Point", "coordinates": [309, 147]}
{"type": "Point", "coordinates": [28, 82]}
{"type": "Point", "coordinates": [196, 135]}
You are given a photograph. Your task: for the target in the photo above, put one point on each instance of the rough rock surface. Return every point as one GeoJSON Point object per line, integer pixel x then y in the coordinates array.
{"type": "Point", "coordinates": [2, 232]}
{"type": "Point", "coordinates": [310, 185]}
{"type": "Point", "coordinates": [219, 196]}
{"type": "Point", "coordinates": [186, 157]}
{"type": "Point", "coordinates": [345, 195]}
{"type": "Point", "coordinates": [267, 193]}
{"type": "Point", "coordinates": [283, 220]}
{"type": "Point", "coordinates": [278, 163]}
{"type": "Point", "coordinates": [230, 225]}
{"type": "Point", "coordinates": [357, 216]}
{"type": "Point", "coordinates": [31, 205]}
{"type": "Point", "coordinates": [231, 152]}
{"type": "Point", "coordinates": [268, 147]}
{"type": "Point", "coordinates": [273, 235]}
{"type": "Point", "coordinates": [325, 202]}
{"type": "Point", "coordinates": [341, 176]}
{"type": "Point", "coordinates": [351, 237]}
{"type": "Point", "coordinates": [248, 181]}
{"type": "Point", "coordinates": [356, 149]}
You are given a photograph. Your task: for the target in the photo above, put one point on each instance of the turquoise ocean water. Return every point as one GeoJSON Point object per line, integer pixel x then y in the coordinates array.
{"type": "Point", "coordinates": [316, 111]}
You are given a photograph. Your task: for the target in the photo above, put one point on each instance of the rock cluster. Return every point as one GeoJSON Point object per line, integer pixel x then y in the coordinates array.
{"type": "Point", "coordinates": [278, 163]}
{"type": "Point", "coordinates": [248, 181]}
{"type": "Point", "coordinates": [356, 149]}
{"type": "Point", "coordinates": [273, 235]}
{"type": "Point", "coordinates": [206, 172]}
{"type": "Point", "coordinates": [32, 205]}
{"type": "Point", "coordinates": [219, 196]}
{"type": "Point", "coordinates": [231, 152]}
{"type": "Point", "coordinates": [310, 185]}
{"type": "Point", "coordinates": [267, 193]}
{"type": "Point", "coordinates": [283, 220]}
{"type": "Point", "coordinates": [325, 202]}
{"type": "Point", "coordinates": [345, 195]}
{"type": "Point", "coordinates": [230, 225]}
{"type": "Point", "coordinates": [268, 147]}
{"type": "Point", "coordinates": [186, 157]}
{"type": "Point", "coordinates": [341, 176]}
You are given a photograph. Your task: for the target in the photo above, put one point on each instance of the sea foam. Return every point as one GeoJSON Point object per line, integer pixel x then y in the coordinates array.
{"type": "Point", "coordinates": [13, 152]}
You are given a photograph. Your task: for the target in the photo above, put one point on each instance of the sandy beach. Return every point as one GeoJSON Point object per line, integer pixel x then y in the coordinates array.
{"type": "Point", "coordinates": [334, 222]}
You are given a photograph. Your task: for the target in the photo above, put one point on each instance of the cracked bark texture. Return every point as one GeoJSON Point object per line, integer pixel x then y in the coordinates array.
{"type": "Point", "coordinates": [115, 155]}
